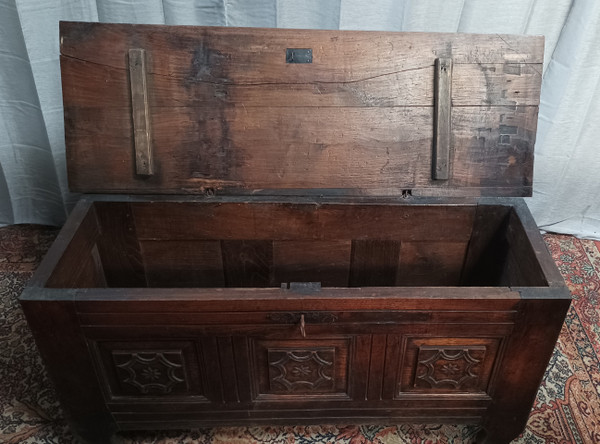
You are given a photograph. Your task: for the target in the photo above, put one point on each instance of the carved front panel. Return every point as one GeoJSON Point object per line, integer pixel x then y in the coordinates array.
{"type": "Point", "coordinates": [449, 368]}
{"type": "Point", "coordinates": [301, 370]}
{"type": "Point", "coordinates": [287, 369]}
{"type": "Point", "coordinates": [447, 365]}
{"type": "Point", "coordinates": [140, 369]}
{"type": "Point", "coordinates": [158, 372]}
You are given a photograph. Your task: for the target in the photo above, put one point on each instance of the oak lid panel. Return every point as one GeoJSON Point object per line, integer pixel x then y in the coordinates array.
{"type": "Point", "coordinates": [227, 112]}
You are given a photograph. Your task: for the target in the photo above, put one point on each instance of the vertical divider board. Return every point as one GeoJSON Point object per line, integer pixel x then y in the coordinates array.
{"type": "Point", "coordinates": [229, 114]}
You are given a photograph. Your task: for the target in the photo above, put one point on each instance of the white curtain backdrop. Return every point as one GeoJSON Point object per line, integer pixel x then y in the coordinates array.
{"type": "Point", "coordinates": [33, 185]}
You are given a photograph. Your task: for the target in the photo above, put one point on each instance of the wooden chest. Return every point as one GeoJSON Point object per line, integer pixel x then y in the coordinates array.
{"type": "Point", "coordinates": [297, 227]}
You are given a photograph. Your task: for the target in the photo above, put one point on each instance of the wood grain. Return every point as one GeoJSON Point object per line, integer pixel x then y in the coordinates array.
{"type": "Point", "coordinates": [183, 263]}
{"type": "Point", "coordinates": [142, 126]}
{"type": "Point", "coordinates": [75, 265]}
{"type": "Point", "coordinates": [228, 113]}
{"type": "Point", "coordinates": [118, 245]}
{"type": "Point", "coordinates": [442, 118]}
{"type": "Point", "coordinates": [248, 263]}
{"type": "Point", "coordinates": [299, 222]}
{"type": "Point", "coordinates": [374, 263]}
{"type": "Point", "coordinates": [327, 262]}
{"type": "Point", "coordinates": [431, 263]}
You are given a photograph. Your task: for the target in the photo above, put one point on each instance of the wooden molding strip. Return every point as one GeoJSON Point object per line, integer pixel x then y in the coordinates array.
{"type": "Point", "coordinates": [140, 112]}
{"type": "Point", "coordinates": [442, 118]}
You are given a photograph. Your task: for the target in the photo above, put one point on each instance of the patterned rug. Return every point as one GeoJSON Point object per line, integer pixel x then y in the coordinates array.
{"type": "Point", "coordinates": [567, 408]}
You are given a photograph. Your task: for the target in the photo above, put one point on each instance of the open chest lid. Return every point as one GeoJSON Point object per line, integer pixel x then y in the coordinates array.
{"type": "Point", "coordinates": [182, 109]}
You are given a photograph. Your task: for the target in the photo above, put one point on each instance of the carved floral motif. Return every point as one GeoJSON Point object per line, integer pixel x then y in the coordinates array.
{"type": "Point", "coordinates": [458, 369]}
{"type": "Point", "coordinates": [301, 370]}
{"type": "Point", "coordinates": [150, 372]}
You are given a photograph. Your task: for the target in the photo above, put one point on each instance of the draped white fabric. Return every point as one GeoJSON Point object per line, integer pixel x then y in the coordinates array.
{"type": "Point", "coordinates": [33, 185]}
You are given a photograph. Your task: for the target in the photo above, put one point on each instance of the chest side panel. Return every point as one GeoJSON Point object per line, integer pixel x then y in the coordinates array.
{"type": "Point", "coordinates": [231, 109]}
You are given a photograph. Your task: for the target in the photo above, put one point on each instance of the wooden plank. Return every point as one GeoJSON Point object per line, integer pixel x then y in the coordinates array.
{"type": "Point", "coordinates": [89, 273]}
{"type": "Point", "coordinates": [243, 370]}
{"type": "Point", "coordinates": [327, 262]}
{"type": "Point", "coordinates": [247, 263]}
{"type": "Point", "coordinates": [359, 367]}
{"type": "Point", "coordinates": [228, 369]}
{"type": "Point", "coordinates": [260, 53]}
{"type": "Point", "coordinates": [486, 252]}
{"type": "Point", "coordinates": [395, 349]}
{"type": "Point", "coordinates": [442, 118]}
{"type": "Point", "coordinates": [69, 232]}
{"type": "Point", "coordinates": [118, 245]}
{"type": "Point", "coordinates": [142, 128]}
{"type": "Point", "coordinates": [243, 148]}
{"type": "Point", "coordinates": [183, 263]}
{"type": "Point", "coordinates": [300, 222]}
{"type": "Point", "coordinates": [76, 264]}
{"type": "Point", "coordinates": [211, 364]}
{"type": "Point", "coordinates": [521, 267]}
{"type": "Point", "coordinates": [184, 300]}
{"type": "Point", "coordinates": [537, 244]}
{"type": "Point", "coordinates": [509, 84]}
{"type": "Point", "coordinates": [377, 367]}
{"type": "Point", "coordinates": [374, 263]}
{"type": "Point", "coordinates": [431, 263]}
{"type": "Point", "coordinates": [229, 113]}
{"type": "Point", "coordinates": [348, 319]}
{"type": "Point", "coordinates": [486, 84]}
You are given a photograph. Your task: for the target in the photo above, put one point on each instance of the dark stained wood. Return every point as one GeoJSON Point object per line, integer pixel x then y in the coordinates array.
{"type": "Point", "coordinates": [89, 272]}
{"type": "Point", "coordinates": [376, 367]}
{"type": "Point", "coordinates": [70, 231]}
{"type": "Point", "coordinates": [442, 118]}
{"type": "Point", "coordinates": [211, 363]}
{"type": "Point", "coordinates": [485, 255]}
{"type": "Point", "coordinates": [531, 236]}
{"type": "Point", "coordinates": [521, 268]}
{"type": "Point", "coordinates": [431, 263]}
{"type": "Point", "coordinates": [68, 270]}
{"type": "Point", "coordinates": [394, 352]}
{"type": "Point", "coordinates": [228, 112]}
{"type": "Point", "coordinates": [299, 222]}
{"type": "Point", "coordinates": [183, 263]}
{"type": "Point", "coordinates": [247, 263]}
{"type": "Point", "coordinates": [516, 385]}
{"type": "Point", "coordinates": [327, 262]}
{"type": "Point", "coordinates": [228, 370]}
{"type": "Point", "coordinates": [243, 372]}
{"type": "Point", "coordinates": [471, 359]}
{"type": "Point", "coordinates": [118, 245]}
{"type": "Point", "coordinates": [374, 263]}
{"type": "Point", "coordinates": [339, 318]}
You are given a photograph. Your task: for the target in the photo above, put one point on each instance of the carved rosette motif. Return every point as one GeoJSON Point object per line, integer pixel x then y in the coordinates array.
{"type": "Point", "coordinates": [442, 368]}
{"type": "Point", "coordinates": [296, 371]}
{"type": "Point", "coordinates": [150, 372]}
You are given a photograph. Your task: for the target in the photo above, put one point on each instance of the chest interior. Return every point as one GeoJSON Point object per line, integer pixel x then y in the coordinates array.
{"type": "Point", "coordinates": [260, 244]}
